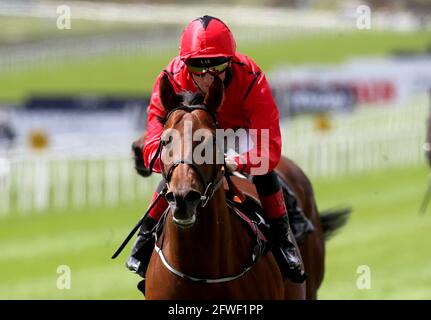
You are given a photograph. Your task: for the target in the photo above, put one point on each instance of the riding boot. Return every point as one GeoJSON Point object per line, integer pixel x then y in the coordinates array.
{"type": "Point", "coordinates": [301, 225]}
{"type": "Point", "coordinates": [143, 247]}
{"type": "Point", "coordinates": [284, 249]}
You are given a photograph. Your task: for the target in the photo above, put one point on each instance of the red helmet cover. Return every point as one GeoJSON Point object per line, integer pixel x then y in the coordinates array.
{"type": "Point", "coordinates": [207, 37]}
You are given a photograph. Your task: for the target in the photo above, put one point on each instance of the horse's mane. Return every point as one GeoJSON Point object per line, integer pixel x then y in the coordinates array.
{"type": "Point", "coordinates": [185, 98]}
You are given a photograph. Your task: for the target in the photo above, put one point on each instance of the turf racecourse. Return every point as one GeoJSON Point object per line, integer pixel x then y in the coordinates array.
{"type": "Point", "coordinates": [135, 73]}
{"type": "Point", "coordinates": [385, 233]}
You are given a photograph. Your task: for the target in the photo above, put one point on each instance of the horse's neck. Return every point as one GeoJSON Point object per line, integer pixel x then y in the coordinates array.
{"type": "Point", "coordinates": [204, 248]}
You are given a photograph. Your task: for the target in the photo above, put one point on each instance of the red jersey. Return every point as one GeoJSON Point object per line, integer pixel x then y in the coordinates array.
{"type": "Point", "coordinates": [248, 104]}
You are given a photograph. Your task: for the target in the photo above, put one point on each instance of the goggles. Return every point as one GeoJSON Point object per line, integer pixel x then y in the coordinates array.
{"type": "Point", "coordinates": [213, 70]}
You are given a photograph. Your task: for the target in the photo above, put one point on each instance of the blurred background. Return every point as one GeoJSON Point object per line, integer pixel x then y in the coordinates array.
{"type": "Point", "coordinates": [352, 81]}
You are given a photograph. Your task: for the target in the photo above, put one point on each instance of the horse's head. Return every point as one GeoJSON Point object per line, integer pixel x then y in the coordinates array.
{"type": "Point", "coordinates": [191, 162]}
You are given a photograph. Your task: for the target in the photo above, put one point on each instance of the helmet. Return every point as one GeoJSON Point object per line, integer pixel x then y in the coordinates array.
{"type": "Point", "coordinates": [207, 37]}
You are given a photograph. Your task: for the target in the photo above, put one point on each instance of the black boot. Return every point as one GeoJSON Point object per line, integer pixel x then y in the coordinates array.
{"type": "Point", "coordinates": [301, 225]}
{"type": "Point", "coordinates": [142, 248]}
{"type": "Point", "coordinates": [285, 251]}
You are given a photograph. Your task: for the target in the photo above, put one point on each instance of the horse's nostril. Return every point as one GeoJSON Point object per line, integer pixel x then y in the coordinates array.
{"type": "Point", "coordinates": [192, 196]}
{"type": "Point", "coordinates": [170, 197]}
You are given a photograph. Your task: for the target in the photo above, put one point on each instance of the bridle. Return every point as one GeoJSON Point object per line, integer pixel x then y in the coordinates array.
{"type": "Point", "coordinates": [209, 185]}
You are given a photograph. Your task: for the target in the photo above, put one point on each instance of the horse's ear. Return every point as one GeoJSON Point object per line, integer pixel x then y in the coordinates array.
{"type": "Point", "coordinates": [214, 97]}
{"type": "Point", "coordinates": [168, 97]}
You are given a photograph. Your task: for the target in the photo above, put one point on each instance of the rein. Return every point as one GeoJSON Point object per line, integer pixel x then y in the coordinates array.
{"type": "Point", "coordinates": [210, 187]}
{"type": "Point", "coordinates": [140, 222]}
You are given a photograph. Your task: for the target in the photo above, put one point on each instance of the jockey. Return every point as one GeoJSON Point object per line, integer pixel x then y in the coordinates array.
{"type": "Point", "coordinates": [207, 49]}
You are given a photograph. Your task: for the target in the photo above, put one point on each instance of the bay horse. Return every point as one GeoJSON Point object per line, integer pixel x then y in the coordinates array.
{"type": "Point", "coordinates": [205, 251]}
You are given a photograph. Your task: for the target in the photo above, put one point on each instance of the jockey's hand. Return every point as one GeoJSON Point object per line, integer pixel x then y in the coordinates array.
{"type": "Point", "coordinates": [231, 164]}
{"type": "Point", "coordinates": [137, 148]}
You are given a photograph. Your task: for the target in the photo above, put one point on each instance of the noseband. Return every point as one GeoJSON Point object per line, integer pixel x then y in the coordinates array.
{"type": "Point", "coordinates": [211, 185]}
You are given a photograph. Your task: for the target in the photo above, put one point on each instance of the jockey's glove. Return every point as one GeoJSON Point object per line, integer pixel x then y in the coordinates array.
{"type": "Point", "coordinates": [138, 158]}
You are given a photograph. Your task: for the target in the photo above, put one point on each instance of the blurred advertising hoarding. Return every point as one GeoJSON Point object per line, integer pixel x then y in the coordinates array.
{"type": "Point", "coordinates": [75, 120]}
{"type": "Point", "coordinates": [357, 83]}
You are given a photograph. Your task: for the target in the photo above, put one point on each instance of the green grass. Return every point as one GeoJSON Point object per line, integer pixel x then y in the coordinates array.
{"type": "Point", "coordinates": [385, 233]}
{"type": "Point", "coordinates": [335, 47]}
{"type": "Point", "coordinates": [21, 29]}
{"type": "Point", "coordinates": [34, 245]}
{"type": "Point", "coordinates": [135, 73]}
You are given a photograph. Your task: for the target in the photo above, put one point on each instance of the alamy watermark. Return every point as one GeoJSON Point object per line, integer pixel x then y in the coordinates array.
{"type": "Point", "coordinates": [202, 146]}
{"type": "Point", "coordinates": [363, 282]}
{"type": "Point", "coordinates": [64, 278]}
{"type": "Point", "coordinates": [64, 19]}
{"type": "Point", "coordinates": [363, 17]}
